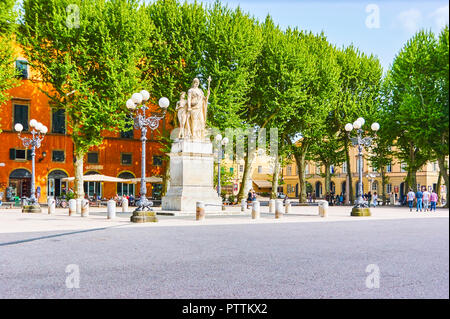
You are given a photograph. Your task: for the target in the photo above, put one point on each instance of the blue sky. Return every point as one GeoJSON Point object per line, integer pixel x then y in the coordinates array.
{"type": "Point", "coordinates": [344, 22]}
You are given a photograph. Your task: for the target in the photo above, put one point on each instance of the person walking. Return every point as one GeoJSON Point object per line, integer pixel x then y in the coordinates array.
{"type": "Point", "coordinates": [410, 196]}
{"type": "Point", "coordinates": [419, 198]}
{"type": "Point", "coordinates": [433, 201]}
{"type": "Point", "coordinates": [426, 200]}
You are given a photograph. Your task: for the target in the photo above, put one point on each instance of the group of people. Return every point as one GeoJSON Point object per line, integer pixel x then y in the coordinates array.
{"type": "Point", "coordinates": [424, 199]}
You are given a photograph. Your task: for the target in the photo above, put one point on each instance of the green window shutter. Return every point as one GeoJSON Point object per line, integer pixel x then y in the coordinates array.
{"type": "Point", "coordinates": [28, 155]}
{"type": "Point", "coordinates": [12, 153]}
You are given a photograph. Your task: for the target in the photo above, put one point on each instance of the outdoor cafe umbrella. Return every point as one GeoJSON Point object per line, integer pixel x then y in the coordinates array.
{"type": "Point", "coordinates": [98, 178]}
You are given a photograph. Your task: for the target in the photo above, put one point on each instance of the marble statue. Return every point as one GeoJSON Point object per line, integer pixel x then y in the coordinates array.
{"type": "Point", "coordinates": [183, 117]}
{"type": "Point", "coordinates": [192, 111]}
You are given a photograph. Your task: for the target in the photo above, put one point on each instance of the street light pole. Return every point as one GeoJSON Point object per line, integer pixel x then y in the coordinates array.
{"type": "Point", "coordinates": [361, 208]}
{"type": "Point", "coordinates": [220, 142]}
{"type": "Point", "coordinates": [38, 132]}
{"type": "Point", "coordinates": [142, 122]}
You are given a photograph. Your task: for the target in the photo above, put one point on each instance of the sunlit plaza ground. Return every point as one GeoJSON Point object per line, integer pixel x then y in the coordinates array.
{"type": "Point", "coordinates": [300, 255]}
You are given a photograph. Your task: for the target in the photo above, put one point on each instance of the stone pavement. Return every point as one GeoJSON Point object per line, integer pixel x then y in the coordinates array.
{"type": "Point", "coordinates": [13, 221]}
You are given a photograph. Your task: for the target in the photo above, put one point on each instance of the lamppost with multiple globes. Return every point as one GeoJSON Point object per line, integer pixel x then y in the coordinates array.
{"type": "Point", "coordinates": [38, 130]}
{"type": "Point", "coordinates": [361, 208]}
{"type": "Point", "coordinates": [137, 107]}
{"type": "Point", "coordinates": [220, 142]}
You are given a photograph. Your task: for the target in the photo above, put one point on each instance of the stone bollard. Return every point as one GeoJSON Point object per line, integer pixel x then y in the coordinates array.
{"type": "Point", "coordinates": [124, 205]}
{"type": "Point", "coordinates": [84, 208]}
{"type": "Point", "coordinates": [287, 208]}
{"type": "Point", "coordinates": [272, 206]}
{"type": "Point", "coordinates": [51, 205]}
{"type": "Point", "coordinates": [72, 206]}
{"type": "Point", "coordinates": [323, 208]}
{"type": "Point", "coordinates": [79, 205]}
{"type": "Point", "coordinates": [256, 210]}
{"type": "Point", "coordinates": [111, 207]}
{"type": "Point", "coordinates": [278, 208]}
{"type": "Point", "coordinates": [243, 204]}
{"type": "Point", "coordinates": [200, 211]}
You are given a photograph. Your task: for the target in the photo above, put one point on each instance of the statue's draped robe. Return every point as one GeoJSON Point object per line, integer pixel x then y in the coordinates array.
{"type": "Point", "coordinates": [197, 118]}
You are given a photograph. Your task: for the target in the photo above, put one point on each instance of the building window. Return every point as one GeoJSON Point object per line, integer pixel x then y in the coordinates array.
{"type": "Point", "coordinates": [241, 168]}
{"type": "Point", "coordinates": [289, 188]}
{"type": "Point", "coordinates": [374, 169]}
{"type": "Point", "coordinates": [92, 158]}
{"type": "Point", "coordinates": [288, 170]}
{"type": "Point", "coordinates": [331, 169]}
{"type": "Point", "coordinates": [126, 158]}
{"type": "Point", "coordinates": [21, 115]}
{"type": "Point", "coordinates": [59, 121]}
{"type": "Point", "coordinates": [124, 189]}
{"type": "Point", "coordinates": [259, 169]}
{"type": "Point", "coordinates": [318, 169]}
{"type": "Point", "coordinates": [344, 167]}
{"type": "Point", "coordinates": [58, 156]}
{"type": "Point", "coordinates": [128, 131]}
{"type": "Point", "coordinates": [435, 166]}
{"type": "Point", "coordinates": [306, 169]}
{"type": "Point", "coordinates": [389, 188]}
{"type": "Point", "coordinates": [18, 154]}
{"type": "Point", "coordinates": [403, 167]}
{"type": "Point", "coordinates": [375, 186]}
{"type": "Point", "coordinates": [22, 68]}
{"type": "Point", "coordinates": [231, 170]}
{"type": "Point", "coordinates": [389, 167]}
{"type": "Point", "coordinates": [157, 160]}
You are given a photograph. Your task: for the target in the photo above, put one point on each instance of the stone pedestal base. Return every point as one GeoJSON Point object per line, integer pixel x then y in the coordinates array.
{"type": "Point", "coordinates": [143, 217]}
{"type": "Point", "coordinates": [360, 211]}
{"type": "Point", "coordinates": [191, 177]}
{"type": "Point", "coordinates": [31, 209]}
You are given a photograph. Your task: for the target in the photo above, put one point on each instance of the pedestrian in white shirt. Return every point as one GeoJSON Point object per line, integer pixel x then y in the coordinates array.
{"type": "Point", "coordinates": [410, 196]}
{"type": "Point", "coordinates": [426, 200]}
{"type": "Point", "coordinates": [375, 199]}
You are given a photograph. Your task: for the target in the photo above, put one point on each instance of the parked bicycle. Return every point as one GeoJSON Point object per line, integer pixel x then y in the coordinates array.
{"type": "Point", "coordinates": [61, 202]}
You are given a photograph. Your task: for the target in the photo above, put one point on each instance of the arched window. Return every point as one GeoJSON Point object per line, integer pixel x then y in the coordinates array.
{"type": "Point", "coordinates": [92, 188]}
{"type": "Point", "coordinates": [124, 188]}
{"type": "Point", "coordinates": [55, 187]}
{"type": "Point", "coordinates": [19, 184]}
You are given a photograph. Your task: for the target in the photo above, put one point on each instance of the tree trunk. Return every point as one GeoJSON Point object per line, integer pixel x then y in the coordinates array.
{"type": "Point", "coordinates": [78, 183]}
{"type": "Point", "coordinates": [166, 179]}
{"type": "Point", "coordinates": [248, 161]}
{"type": "Point", "coordinates": [383, 185]}
{"type": "Point", "coordinates": [407, 184]}
{"type": "Point", "coordinates": [349, 172]}
{"type": "Point", "coordinates": [327, 178]}
{"type": "Point", "coordinates": [443, 171]}
{"type": "Point", "coordinates": [438, 186]}
{"type": "Point", "coordinates": [275, 177]}
{"type": "Point", "coordinates": [300, 161]}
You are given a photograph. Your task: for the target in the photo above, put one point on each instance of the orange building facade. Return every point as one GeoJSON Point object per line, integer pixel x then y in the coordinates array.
{"type": "Point", "coordinates": [119, 155]}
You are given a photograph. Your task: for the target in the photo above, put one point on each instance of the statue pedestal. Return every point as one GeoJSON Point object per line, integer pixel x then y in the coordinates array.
{"type": "Point", "coordinates": [191, 177]}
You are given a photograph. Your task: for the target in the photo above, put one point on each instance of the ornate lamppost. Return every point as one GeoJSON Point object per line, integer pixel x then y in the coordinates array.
{"type": "Point", "coordinates": [144, 213]}
{"type": "Point", "coordinates": [220, 142]}
{"type": "Point", "coordinates": [361, 207]}
{"type": "Point", "coordinates": [38, 131]}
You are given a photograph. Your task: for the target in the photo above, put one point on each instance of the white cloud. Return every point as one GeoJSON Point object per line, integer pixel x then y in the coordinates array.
{"type": "Point", "coordinates": [410, 20]}
{"type": "Point", "coordinates": [440, 17]}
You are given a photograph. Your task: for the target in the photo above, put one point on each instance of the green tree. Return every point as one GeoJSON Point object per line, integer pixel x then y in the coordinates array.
{"type": "Point", "coordinates": [8, 73]}
{"type": "Point", "coordinates": [359, 88]}
{"type": "Point", "coordinates": [88, 51]}
{"type": "Point", "coordinates": [418, 104]}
